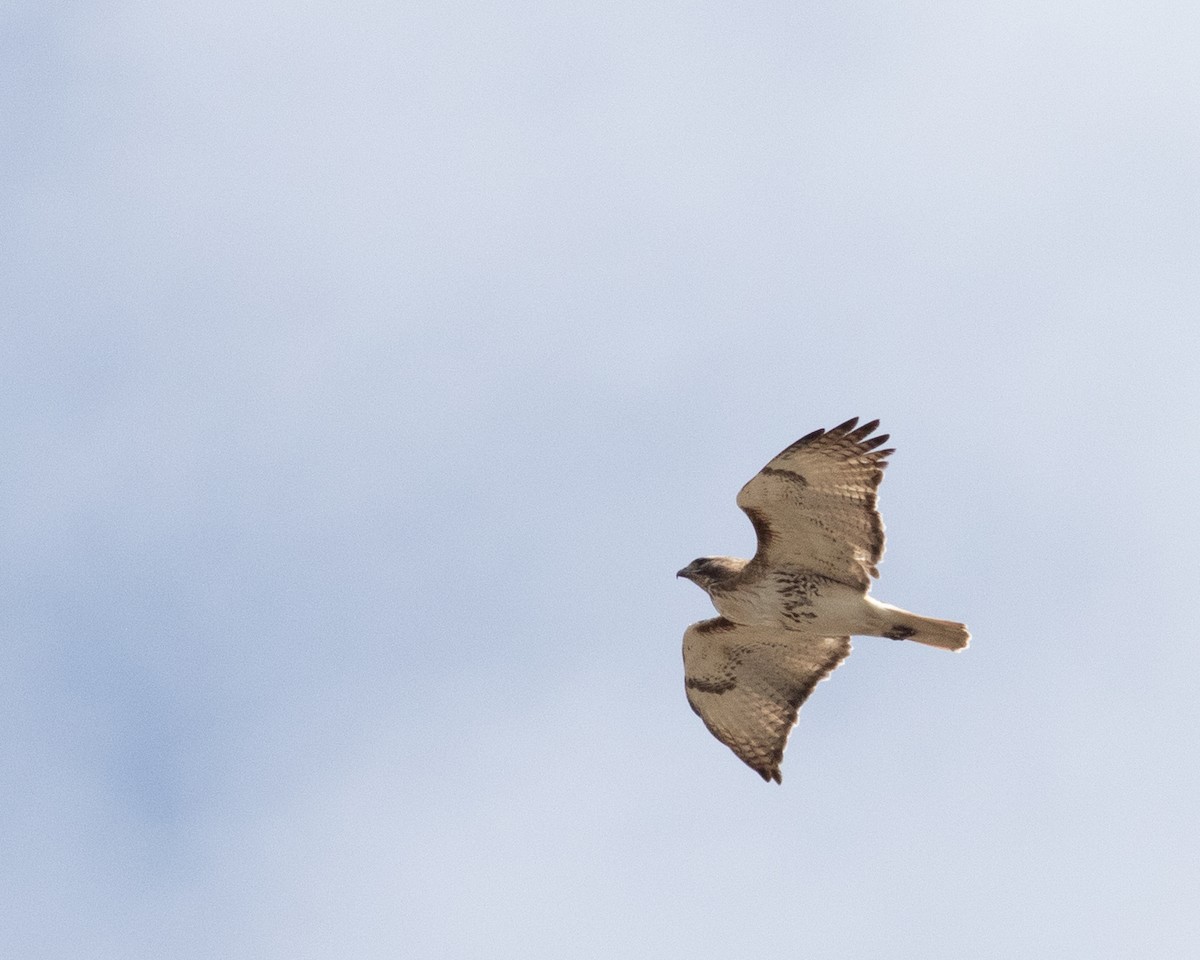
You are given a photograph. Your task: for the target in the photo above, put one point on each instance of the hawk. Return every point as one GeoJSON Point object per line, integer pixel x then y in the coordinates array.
{"type": "Point", "coordinates": [787, 615]}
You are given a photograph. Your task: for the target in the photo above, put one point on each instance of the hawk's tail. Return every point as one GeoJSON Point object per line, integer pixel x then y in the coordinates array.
{"type": "Point", "coordinates": [947, 634]}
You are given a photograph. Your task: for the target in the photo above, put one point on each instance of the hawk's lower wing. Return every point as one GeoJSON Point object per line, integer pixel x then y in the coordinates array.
{"type": "Point", "coordinates": [747, 684]}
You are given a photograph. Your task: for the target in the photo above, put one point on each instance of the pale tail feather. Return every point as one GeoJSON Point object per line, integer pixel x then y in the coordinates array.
{"type": "Point", "coordinates": [947, 634]}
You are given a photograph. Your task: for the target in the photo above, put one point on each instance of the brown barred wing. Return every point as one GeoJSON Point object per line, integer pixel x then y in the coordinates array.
{"type": "Point", "coordinates": [747, 684]}
{"type": "Point", "coordinates": [814, 506]}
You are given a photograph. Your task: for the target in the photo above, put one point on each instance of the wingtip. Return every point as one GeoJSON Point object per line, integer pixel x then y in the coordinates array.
{"type": "Point", "coordinates": [861, 433]}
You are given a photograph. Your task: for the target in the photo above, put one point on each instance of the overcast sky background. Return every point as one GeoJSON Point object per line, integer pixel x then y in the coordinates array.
{"type": "Point", "coordinates": [369, 369]}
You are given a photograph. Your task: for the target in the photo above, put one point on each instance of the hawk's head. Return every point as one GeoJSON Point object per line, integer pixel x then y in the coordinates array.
{"type": "Point", "coordinates": [709, 572]}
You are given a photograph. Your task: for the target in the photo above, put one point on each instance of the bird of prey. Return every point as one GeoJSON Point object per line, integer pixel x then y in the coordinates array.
{"type": "Point", "coordinates": [787, 615]}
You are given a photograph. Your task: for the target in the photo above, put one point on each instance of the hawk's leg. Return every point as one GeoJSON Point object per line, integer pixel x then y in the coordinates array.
{"type": "Point", "coordinates": [899, 632]}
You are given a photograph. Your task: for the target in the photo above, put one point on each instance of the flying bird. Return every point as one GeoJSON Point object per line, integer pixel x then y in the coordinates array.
{"type": "Point", "coordinates": [787, 614]}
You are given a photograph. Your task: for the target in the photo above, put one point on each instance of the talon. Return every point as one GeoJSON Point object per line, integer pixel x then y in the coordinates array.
{"type": "Point", "coordinates": [900, 632]}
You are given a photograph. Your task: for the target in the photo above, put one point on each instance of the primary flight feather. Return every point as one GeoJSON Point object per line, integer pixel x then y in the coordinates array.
{"type": "Point", "coordinates": [787, 614]}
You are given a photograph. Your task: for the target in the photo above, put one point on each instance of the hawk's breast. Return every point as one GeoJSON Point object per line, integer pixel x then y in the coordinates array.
{"type": "Point", "coordinates": [793, 599]}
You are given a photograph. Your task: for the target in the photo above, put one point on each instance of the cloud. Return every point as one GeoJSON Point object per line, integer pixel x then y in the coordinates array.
{"type": "Point", "coordinates": [369, 371]}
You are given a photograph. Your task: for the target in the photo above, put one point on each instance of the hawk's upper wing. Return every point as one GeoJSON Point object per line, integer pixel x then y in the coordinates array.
{"type": "Point", "coordinates": [814, 505]}
{"type": "Point", "coordinates": [747, 684]}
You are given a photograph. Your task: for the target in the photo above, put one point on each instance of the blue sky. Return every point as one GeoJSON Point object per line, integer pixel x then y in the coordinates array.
{"type": "Point", "coordinates": [369, 370]}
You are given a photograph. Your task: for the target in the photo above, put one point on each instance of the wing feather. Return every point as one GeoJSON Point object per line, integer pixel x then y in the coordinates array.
{"type": "Point", "coordinates": [814, 506]}
{"type": "Point", "coordinates": [747, 684]}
